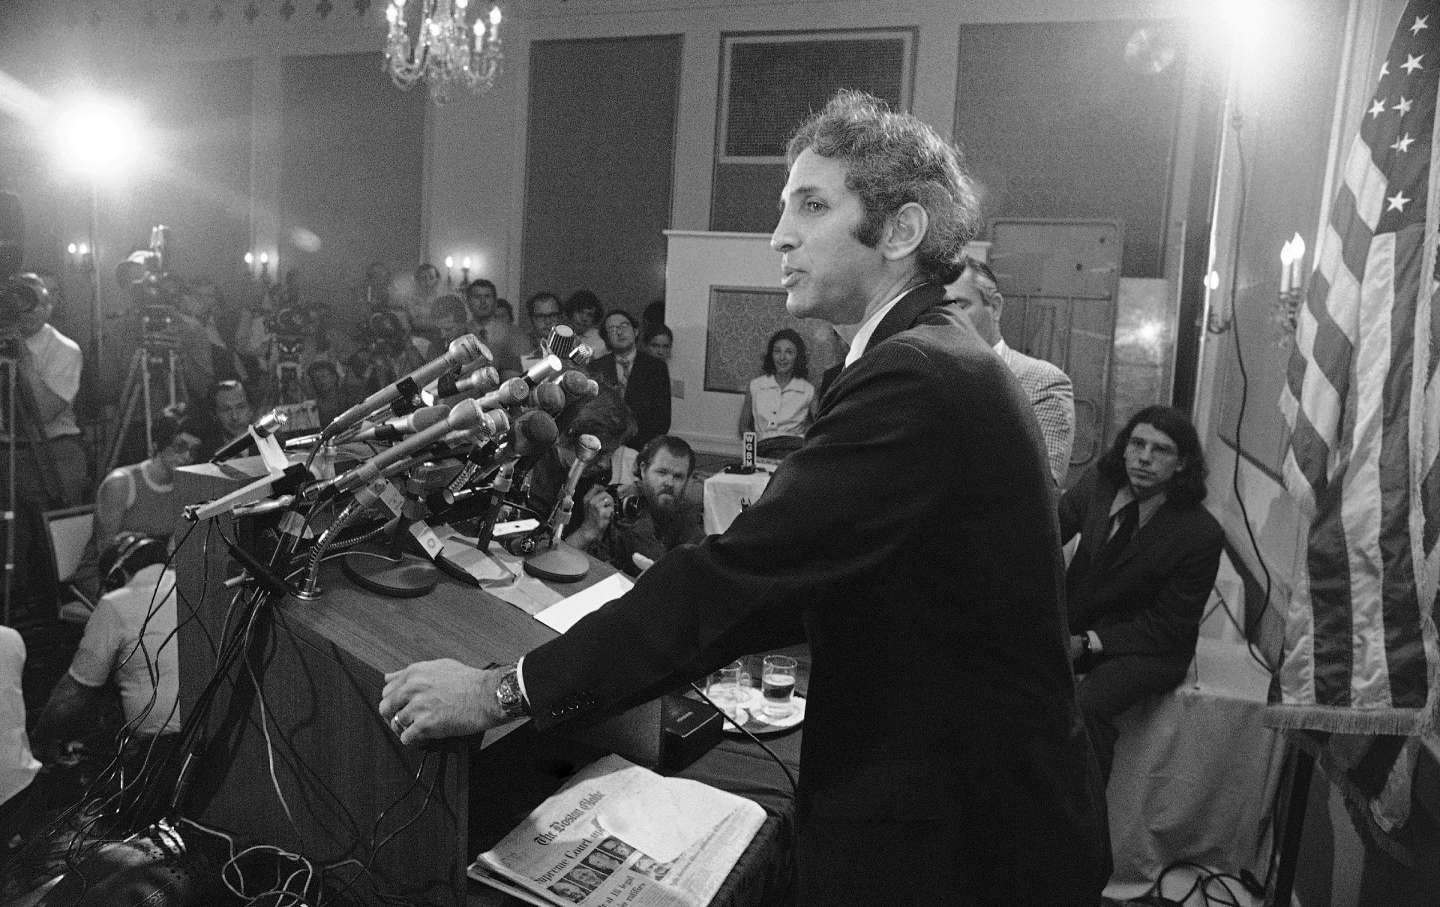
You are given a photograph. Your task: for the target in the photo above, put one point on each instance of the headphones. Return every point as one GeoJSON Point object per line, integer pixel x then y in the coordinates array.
{"type": "Point", "coordinates": [128, 555]}
{"type": "Point", "coordinates": [24, 293]}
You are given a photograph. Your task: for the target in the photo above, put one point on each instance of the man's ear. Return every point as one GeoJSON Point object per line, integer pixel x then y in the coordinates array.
{"type": "Point", "coordinates": [904, 231]}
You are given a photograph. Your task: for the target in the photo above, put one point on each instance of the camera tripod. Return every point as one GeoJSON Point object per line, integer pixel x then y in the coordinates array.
{"type": "Point", "coordinates": [156, 358]}
{"type": "Point", "coordinates": [20, 431]}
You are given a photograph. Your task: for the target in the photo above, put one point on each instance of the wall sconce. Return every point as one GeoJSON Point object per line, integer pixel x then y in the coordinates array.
{"type": "Point", "coordinates": [1217, 320]}
{"type": "Point", "coordinates": [449, 272]}
{"type": "Point", "coordinates": [80, 257]}
{"type": "Point", "coordinates": [263, 259]}
{"type": "Point", "coordinates": [465, 271]}
{"type": "Point", "coordinates": [1292, 290]}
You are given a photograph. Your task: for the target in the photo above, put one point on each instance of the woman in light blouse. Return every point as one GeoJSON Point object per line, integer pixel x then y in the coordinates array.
{"type": "Point", "coordinates": [778, 403]}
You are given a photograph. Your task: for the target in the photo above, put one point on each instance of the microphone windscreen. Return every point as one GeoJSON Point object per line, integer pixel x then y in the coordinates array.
{"type": "Point", "coordinates": [534, 431]}
{"type": "Point", "coordinates": [579, 386]}
{"type": "Point", "coordinates": [549, 397]}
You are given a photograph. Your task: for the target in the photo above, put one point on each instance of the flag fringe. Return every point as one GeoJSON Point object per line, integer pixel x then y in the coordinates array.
{"type": "Point", "coordinates": [1338, 720]}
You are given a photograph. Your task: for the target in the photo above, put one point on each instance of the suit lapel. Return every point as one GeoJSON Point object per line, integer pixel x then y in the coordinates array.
{"type": "Point", "coordinates": [906, 312]}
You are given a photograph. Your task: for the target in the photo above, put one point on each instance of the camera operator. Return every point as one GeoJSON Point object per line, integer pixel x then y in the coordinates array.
{"type": "Point", "coordinates": [205, 357]}
{"type": "Point", "coordinates": [386, 354]}
{"type": "Point", "coordinates": [652, 515]}
{"type": "Point", "coordinates": [44, 444]}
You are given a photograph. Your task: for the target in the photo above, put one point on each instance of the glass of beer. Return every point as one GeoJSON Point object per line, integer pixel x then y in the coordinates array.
{"type": "Point", "coordinates": [777, 683]}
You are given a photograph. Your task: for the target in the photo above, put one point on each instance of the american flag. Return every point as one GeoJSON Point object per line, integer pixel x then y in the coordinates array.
{"type": "Point", "coordinates": [1362, 400]}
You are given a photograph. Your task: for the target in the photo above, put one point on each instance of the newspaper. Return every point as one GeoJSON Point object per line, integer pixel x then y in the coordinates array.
{"type": "Point", "coordinates": [618, 834]}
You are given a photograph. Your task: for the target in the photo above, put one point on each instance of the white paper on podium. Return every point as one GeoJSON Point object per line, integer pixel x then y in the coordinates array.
{"type": "Point", "coordinates": [562, 615]}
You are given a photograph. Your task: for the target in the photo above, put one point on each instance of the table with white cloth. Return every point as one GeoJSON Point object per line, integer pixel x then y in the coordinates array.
{"type": "Point", "coordinates": [1195, 774]}
{"type": "Point", "coordinates": [728, 493]}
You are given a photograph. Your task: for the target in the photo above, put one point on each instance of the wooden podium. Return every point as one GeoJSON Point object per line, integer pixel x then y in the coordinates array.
{"type": "Point", "coordinates": [295, 721]}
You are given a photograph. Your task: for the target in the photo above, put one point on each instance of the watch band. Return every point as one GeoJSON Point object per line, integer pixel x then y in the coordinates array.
{"type": "Point", "coordinates": [508, 694]}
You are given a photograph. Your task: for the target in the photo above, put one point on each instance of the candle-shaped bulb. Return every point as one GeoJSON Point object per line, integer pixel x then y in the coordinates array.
{"type": "Point", "coordinates": [84, 248]}
{"type": "Point", "coordinates": [494, 16]}
{"type": "Point", "coordinates": [449, 261]}
{"type": "Point", "coordinates": [249, 258]}
{"type": "Point", "coordinates": [73, 249]}
{"type": "Point", "coordinates": [264, 259]}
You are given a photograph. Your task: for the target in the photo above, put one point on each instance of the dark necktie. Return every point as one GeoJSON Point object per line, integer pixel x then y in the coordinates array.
{"type": "Point", "coordinates": [1128, 519]}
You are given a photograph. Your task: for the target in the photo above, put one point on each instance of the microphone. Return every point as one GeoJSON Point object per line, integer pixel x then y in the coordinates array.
{"type": "Point", "coordinates": [463, 416]}
{"type": "Point", "coordinates": [578, 384]}
{"type": "Point", "coordinates": [560, 341]}
{"type": "Point", "coordinates": [270, 422]}
{"type": "Point", "coordinates": [462, 350]}
{"type": "Point", "coordinates": [395, 429]}
{"type": "Point", "coordinates": [484, 378]}
{"type": "Point", "coordinates": [513, 392]}
{"type": "Point", "coordinates": [582, 355]}
{"type": "Point", "coordinates": [543, 370]}
{"type": "Point", "coordinates": [549, 397]}
{"type": "Point", "coordinates": [587, 448]}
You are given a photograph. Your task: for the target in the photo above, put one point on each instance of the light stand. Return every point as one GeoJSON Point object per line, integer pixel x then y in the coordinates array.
{"type": "Point", "coordinates": [8, 363]}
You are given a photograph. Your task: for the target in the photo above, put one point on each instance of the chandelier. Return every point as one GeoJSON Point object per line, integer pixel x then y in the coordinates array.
{"type": "Point", "coordinates": [446, 52]}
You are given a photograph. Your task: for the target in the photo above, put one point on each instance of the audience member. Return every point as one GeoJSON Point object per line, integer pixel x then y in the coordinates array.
{"type": "Point", "coordinates": [609, 420]}
{"type": "Point", "coordinates": [49, 459]}
{"type": "Point", "coordinates": [777, 404]}
{"type": "Point", "coordinates": [129, 646]}
{"type": "Point", "coordinates": [653, 514]}
{"type": "Point", "coordinates": [141, 497]}
{"type": "Point", "coordinates": [641, 378]}
{"type": "Point", "coordinates": [18, 766]}
{"type": "Point", "coordinates": [228, 414]}
{"type": "Point", "coordinates": [584, 312]}
{"type": "Point", "coordinates": [480, 299]}
{"type": "Point", "coordinates": [1045, 384]}
{"type": "Point", "coordinates": [493, 331]}
{"type": "Point", "coordinates": [544, 312]}
{"type": "Point", "coordinates": [653, 313]}
{"type": "Point", "coordinates": [327, 389]}
{"type": "Point", "coordinates": [204, 354]}
{"type": "Point", "coordinates": [1148, 555]}
{"type": "Point", "coordinates": [387, 356]}
{"type": "Point", "coordinates": [505, 311]}
{"type": "Point", "coordinates": [419, 296]}
{"type": "Point", "coordinates": [659, 341]}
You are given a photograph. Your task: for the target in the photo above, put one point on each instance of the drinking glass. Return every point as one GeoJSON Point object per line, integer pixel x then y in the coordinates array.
{"type": "Point", "coordinates": [777, 683]}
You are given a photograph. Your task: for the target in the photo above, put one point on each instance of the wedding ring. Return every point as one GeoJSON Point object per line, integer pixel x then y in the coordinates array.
{"type": "Point", "coordinates": [396, 726]}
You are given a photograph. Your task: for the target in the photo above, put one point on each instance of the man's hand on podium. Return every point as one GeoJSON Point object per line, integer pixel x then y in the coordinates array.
{"type": "Point", "coordinates": [431, 700]}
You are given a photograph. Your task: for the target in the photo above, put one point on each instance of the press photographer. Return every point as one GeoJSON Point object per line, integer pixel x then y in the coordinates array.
{"type": "Point", "coordinates": [42, 460]}
{"type": "Point", "coordinates": [652, 514]}
{"type": "Point", "coordinates": [385, 355]}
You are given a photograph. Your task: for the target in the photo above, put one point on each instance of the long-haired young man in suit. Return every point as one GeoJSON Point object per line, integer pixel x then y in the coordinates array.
{"type": "Point", "coordinates": [914, 530]}
{"type": "Point", "coordinates": [1138, 583]}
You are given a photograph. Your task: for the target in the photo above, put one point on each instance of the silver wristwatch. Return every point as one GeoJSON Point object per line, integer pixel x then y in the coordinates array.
{"type": "Point", "coordinates": [508, 694]}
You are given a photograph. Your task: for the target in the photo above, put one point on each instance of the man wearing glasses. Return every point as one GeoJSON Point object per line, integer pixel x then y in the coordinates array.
{"type": "Point", "coordinates": [544, 311]}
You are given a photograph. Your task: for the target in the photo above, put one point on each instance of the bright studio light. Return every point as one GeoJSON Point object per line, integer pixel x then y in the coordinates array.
{"type": "Point", "coordinates": [97, 138]}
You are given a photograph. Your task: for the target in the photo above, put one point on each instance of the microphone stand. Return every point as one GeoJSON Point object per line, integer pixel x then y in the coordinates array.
{"type": "Point", "coordinates": [394, 571]}
{"type": "Point", "coordinates": [560, 562]}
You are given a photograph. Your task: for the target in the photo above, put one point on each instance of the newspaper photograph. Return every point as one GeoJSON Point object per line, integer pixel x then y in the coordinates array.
{"type": "Point", "coordinates": [619, 834]}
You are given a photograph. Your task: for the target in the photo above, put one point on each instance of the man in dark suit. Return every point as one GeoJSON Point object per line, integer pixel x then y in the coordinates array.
{"type": "Point", "coordinates": [642, 378]}
{"type": "Point", "coordinates": [911, 540]}
{"type": "Point", "coordinates": [1142, 573]}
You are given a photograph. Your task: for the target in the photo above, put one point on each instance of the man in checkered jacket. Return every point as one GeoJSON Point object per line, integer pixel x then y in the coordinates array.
{"type": "Point", "coordinates": [1048, 388]}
